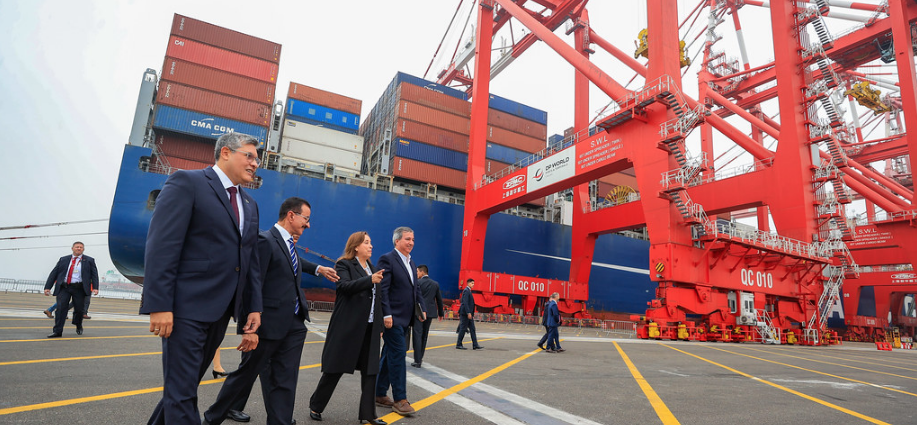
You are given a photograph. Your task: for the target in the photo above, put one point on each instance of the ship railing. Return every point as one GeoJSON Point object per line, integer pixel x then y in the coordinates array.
{"type": "Point", "coordinates": [768, 240]}
{"type": "Point", "coordinates": [726, 173]}
{"type": "Point", "coordinates": [38, 286]}
{"type": "Point", "coordinates": [886, 268]}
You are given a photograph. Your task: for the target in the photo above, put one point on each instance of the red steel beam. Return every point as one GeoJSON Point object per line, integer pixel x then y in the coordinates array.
{"type": "Point", "coordinates": [907, 76]}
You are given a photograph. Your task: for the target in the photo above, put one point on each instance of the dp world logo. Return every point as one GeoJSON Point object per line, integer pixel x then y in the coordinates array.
{"type": "Point", "coordinates": [513, 182]}
{"type": "Point", "coordinates": [904, 276]}
{"type": "Point", "coordinates": [539, 174]}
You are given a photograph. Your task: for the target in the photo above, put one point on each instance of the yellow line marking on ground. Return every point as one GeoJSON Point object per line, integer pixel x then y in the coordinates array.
{"type": "Point", "coordinates": [108, 356]}
{"type": "Point", "coordinates": [78, 338]}
{"type": "Point", "coordinates": [838, 364]}
{"type": "Point", "coordinates": [781, 387]}
{"type": "Point", "coordinates": [859, 361]}
{"type": "Point", "coordinates": [665, 415]}
{"type": "Point", "coordinates": [394, 417]}
{"type": "Point", "coordinates": [817, 372]}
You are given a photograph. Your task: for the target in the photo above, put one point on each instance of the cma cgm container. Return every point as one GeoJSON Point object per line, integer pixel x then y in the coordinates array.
{"type": "Point", "coordinates": [185, 164]}
{"type": "Point", "coordinates": [185, 147]}
{"type": "Point", "coordinates": [224, 38]}
{"type": "Point", "coordinates": [214, 57]}
{"type": "Point", "coordinates": [195, 99]}
{"type": "Point", "coordinates": [322, 136]}
{"type": "Point", "coordinates": [200, 124]}
{"type": "Point", "coordinates": [324, 98]}
{"type": "Point", "coordinates": [401, 77]}
{"type": "Point", "coordinates": [299, 149]}
{"type": "Point", "coordinates": [192, 74]}
{"type": "Point", "coordinates": [322, 114]}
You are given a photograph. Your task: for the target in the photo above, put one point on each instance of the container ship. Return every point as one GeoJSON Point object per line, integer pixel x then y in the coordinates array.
{"type": "Point", "coordinates": [403, 165]}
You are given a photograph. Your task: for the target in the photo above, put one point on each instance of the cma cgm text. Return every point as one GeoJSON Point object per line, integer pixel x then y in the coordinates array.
{"type": "Point", "coordinates": [204, 124]}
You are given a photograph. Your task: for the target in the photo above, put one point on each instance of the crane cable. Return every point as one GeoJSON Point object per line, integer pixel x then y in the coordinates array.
{"type": "Point", "coordinates": [444, 38]}
{"type": "Point", "coordinates": [29, 226]}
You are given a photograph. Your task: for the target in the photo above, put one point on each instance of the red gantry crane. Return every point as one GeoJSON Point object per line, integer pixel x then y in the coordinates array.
{"type": "Point", "coordinates": [717, 279]}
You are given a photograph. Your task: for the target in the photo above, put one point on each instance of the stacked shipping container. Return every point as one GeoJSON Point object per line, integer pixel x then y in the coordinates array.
{"type": "Point", "coordinates": [214, 81]}
{"type": "Point", "coordinates": [429, 126]}
{"type": "Point", "coordinates": [320, 128]}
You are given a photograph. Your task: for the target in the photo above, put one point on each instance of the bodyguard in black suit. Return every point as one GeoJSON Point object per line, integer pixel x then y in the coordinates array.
{"type": "Point", "coordinates": [466, 317]}
{"type": "Point", "coordinates": [283, 332]}
{"type": "Point", "coordinates": [433, 300]}
{"type": "Point", "coordinates": [76, 277]}
{"type": "Point", "coordinates": [201, 268]}
{"type": "Point", "coordinates": [352, 341]}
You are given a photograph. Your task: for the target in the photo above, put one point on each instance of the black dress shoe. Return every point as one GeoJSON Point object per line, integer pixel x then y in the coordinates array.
{"type": "Point", "coordinates": [374, 422]}
{"type": "Point", "coordinates": [54, 335]}
{"type": "Point", "coordinates": [459, 347]}
{"type": "Point", "coordinates": [79, 329]}
{"type": "Point", "coordinates": [480, 347]}
{"type": "Point", "coordinates": [293, 422]}
{"type": "Point", "coordinates": [315, 416]}
{"type": "Point", "coordinates": [219, 374]}
{"type": "Point", "coordinates": [415, 364]}
{"type": "Point", "coordinates": [238, 416]}
{"type": "Point", "coordinates": [540, 346]}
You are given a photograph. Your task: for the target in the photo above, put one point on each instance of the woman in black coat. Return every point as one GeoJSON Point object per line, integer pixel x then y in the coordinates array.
{"type": "Point", "coordinates": [354, 332]}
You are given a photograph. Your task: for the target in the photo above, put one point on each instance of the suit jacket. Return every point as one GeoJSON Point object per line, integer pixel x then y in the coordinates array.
{"type": "Point", "coordinates": [467, 303]}
{"type": "Point", "coordinates": [349, 319]}
{"type": "Point", "coordinates": [552, 315]}
{"type": "Point", "coordinates": [196, 261]}
{"type": "Point", "coordinates": [279, 287]}
{"type": "Point", "coordinates": [88, 273]}
{"type": "Point", "coordinates": [399, 295]}
{"type": "Point", "coordinates": [432, 297]}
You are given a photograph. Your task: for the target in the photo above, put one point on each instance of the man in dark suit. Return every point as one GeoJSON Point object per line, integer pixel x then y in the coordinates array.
{"type": "Point", "coordinates": [76, 277]}
{"type": "Point", "coordinates": [400, 294]}
{"type": "Point", "coordinates": [552, 321]}
{"type": "Point", "coordinates": [201, 268]}
{"type": "Point", "coordinates": [283, 332]}
{"type": "Point", "coordinates": [433, 300]}
{"type": "Point", "coordinates": [466, 318]}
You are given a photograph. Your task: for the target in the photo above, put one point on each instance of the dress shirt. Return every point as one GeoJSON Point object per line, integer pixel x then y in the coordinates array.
{"type": "Point", "coordinates": [77, 276]}
{"type": "Point", "coordinates": [372, 308]}
{"type": "Point", "coordinates": [227, 183]}
{"type": "Point", "coordinates": [286, 238]}
{"type": "Point", "coordinates": [406, 260]}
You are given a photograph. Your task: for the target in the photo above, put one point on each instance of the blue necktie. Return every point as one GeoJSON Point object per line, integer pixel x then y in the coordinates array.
{"type": "Point", "coordinates": [295, 267]}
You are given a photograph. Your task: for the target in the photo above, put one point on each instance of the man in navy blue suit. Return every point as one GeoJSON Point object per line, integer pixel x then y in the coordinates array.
{"type": "Point", "coordinates": [400, 293]}
{"type": "Point", "coordinates": [551, 322]}
{"type": "Point", "coordinates": [76, 277]}
{"type": "Point", "coordinates": [466, 318]}
{"type": "Point", "coordinates": [201, 268]}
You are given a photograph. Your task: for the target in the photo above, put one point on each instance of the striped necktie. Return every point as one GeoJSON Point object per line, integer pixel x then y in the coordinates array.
{"type": "Point", "coordinates": [295, 267]}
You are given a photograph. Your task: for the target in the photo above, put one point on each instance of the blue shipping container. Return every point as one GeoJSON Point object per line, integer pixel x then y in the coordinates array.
{"type": "Point", "coordinates": [323, 114]}
{"type": "Point", "coordinates": [518, 109]}
{"type": "Point", "coordinates": [417, 81]}
{"type": "Point", "coordinates": [319, 124]}
{"type": "Point", "coordinates": [198, 124]}
{"type": "Point", "coordinates": [509, 155]}
{"type": "Point", "coordinates": [430, 154]}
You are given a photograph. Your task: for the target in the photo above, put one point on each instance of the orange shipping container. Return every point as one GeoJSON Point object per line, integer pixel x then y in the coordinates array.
{"type": "Point", "coordinates": [433, 117]}
{"type": "Point", "coordinates": [192, 74]}
{"type": "Point", "coordinates": [516, 124]}
{"type": "Point", "coordinates": [435, 100]}
{"type": "Point", "coordinates": [195, 99]}
{"type": "Point", "coordinates": [514, 140]}
{"type": "Point", "coordinates": [225, 38]}
{"type": "Point", "coordinates": [431, 135]}
{"type": "Point", "coordinates": [214, 57]}
{"type": "Point", "coordinates": [428, 173]}
{"type": "Point", "coordinates": [185, 164]}
{"type": "Point", "coordinates": [176, 146]}
{"type": "Point", "coordinates": [324, 98]}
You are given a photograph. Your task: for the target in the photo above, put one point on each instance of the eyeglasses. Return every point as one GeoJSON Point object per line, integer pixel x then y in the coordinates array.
{"type": "Point", "coordinates": [306, 218]}
{"type": "Point", "coordinates": [249, 156]}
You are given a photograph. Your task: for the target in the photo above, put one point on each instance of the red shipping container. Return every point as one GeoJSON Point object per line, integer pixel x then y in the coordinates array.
{"type": "Point", "coordinates": [185, 164]}
{"type": "Point", "coordinates": [431, 135]}
{"type": "Point", "coordinates": [225, 38]}
{"type": "Point", "coordinates": [428, 173]}
{"type": "Point", "coordinates": [214, 57]}
{"type": "Point", "coordinates": [192, 74]}
{"type": "Point", "coordinates": [195, 99]}
{"type": "Point", "coordinates": [324, 98]}
{"type": "Point", "coordinates": [515, 140]}
{"type": "Point", "coordinates": [516, 124]}
{"type": "Point", "coordinates": [176, 146]}
{"type": "Point", "coordinates": [433, 117]}
{"type": "Point", "coordinates": [435, 100]}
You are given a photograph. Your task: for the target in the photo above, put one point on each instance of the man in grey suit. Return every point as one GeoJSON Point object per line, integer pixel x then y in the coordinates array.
{"type": "Point", "coordinates": [76, 277]}
{"type": "Point", "coordinates": [433, 300]}
{"type": "Point", "coordinates": [283, 332]}
{"type": "Point", "coordinates": [201, 268]}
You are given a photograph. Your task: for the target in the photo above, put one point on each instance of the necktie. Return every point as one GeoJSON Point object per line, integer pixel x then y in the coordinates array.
{"type": "Point", "coordinates": [70, 272]}
{"type": "Point", "coordinates": [232, 200]}
{"type": "Point", "coordinates": [295, 267]}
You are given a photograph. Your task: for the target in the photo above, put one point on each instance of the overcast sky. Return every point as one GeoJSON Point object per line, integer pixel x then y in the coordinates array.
{"type": "Point", "coordinates": [70, 73]}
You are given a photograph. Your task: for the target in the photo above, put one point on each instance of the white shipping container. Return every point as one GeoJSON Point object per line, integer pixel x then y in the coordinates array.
{"type": "Point", "coordinates": [322, 136]}
{"type": "Point", "coordinates": [321, 154]}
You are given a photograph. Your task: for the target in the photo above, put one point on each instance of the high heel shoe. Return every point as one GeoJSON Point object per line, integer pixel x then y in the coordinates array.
{"type": "Point", "coordinates": [219, 374]}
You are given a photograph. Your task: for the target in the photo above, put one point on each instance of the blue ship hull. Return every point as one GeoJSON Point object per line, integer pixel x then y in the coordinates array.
{"type": "Point", "coordinates": [619, 280]}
